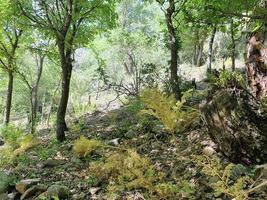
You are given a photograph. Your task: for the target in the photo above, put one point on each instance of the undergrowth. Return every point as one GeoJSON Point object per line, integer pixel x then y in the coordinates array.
{"type": "Point", "coordinates": [83, 146]}
{"type": "Point", "coordinates": [174, 115]}
{"type": "Point", "coordinates": [16, 143]}
{"type": "Point", "coordinates": [231, 180]}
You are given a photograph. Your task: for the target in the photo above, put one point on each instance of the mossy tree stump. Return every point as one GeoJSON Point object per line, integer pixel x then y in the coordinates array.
{"type": "Point", "coordinates": [234, 116]}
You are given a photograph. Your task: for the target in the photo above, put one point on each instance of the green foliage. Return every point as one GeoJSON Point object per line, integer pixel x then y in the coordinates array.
{"type": "Point", "coordinates": [229, 79]}
{"type": "Point", "coordinates": [83, 146]}
{"type": "Point", "coordinates": [12, 135]}
{"type": "Point", "coordinates": [173, 114]}
{"type": "Point", "coordinates": [16, 143]}
{"type": "Point", "coordinates": [173, 191]}
{"type": "Point", "coordinates": [225, 180]}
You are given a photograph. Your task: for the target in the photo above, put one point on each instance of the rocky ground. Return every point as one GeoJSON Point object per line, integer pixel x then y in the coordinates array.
{"type": "Point", "coordinates": [53, 170]}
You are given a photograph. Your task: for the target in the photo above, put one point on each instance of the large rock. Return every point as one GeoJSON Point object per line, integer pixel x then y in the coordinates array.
{"type": "Point", "coordinates": [236, 125]}
{"type": "Point", "coordinates": [24, 185]}
{"type": "Point", "coordinates": [33, 191]}
{"type": "Point", "coordinates": [60, 191]}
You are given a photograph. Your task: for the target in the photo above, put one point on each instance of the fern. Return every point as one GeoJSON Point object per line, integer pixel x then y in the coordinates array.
{"type": "Point", "coordinates": [225, 185]}
{"type": "Point", "coordinates": [173, 114]}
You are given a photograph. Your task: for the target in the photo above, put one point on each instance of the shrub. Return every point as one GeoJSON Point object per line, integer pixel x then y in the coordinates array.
{"type": "Point", "coordinates": [226, 181]}
{"type": "Point", "coordinates": [83, 146]}
{"type": "Point", "coordinates": [125, 171]}
{"type": "Point", "coordinates": [230, 79]}
{"type": "Point", "coordinates": [12, 135]}
{"type": "Point", "coordinates": [173, 191]}
{"type": "Point", "coordinates": [17, 143]}
{"type": "Point", "coordinates": [173, 114]}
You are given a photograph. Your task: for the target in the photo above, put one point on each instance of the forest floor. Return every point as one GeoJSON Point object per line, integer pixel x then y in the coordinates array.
{"type": "Point", "coordinates": [121, 130]}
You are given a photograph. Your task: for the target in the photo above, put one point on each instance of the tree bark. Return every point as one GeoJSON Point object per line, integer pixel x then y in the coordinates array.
{"type": "Point", "coordinates": [66, 66]}
{"type": "Point", "coordinates": [232, 46]}
{"type": "Point", "coordinates": [34, 92]}
{"type": "Point", "coordinates": [211, 49]}
{"type": "Point", "coordinates": [256, 67]}
{"type": "Point", "coordinates": [199, 56]}
{"type": "Point", "coordinates": [173, 44]}
{"type": "Point", "coordinates": [9, 97]}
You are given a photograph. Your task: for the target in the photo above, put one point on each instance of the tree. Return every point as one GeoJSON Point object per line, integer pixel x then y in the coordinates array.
{"type": "Point", "coordinates": [67, 22]}
{"type": "Point", "coordinates": [10, 35]}
{"type": "Point", "coordinates": [172, 10]}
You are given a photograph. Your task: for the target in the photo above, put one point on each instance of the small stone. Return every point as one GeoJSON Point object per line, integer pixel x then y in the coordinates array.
{"type": "Point", "coordinates": [94, 190]}
{"type": "Point", "coordinates": [13, 196]}
{"type": "Point", "coordinates": [209, 151]}
{"type": "Point", "coordinates": [60, 191]}
{"type": "Point", "coordinates": [35, 190]}
{"type": "Point", "coordinates": [80, 196]}
{"type": "Point", "coordinates": [23, 185]}
{"type": "Point", "coordinates": [114, 142]}
{"type": "Point", "coordinates": [130, 134]}
{"type": "Point", "coordinates": [53, 163]}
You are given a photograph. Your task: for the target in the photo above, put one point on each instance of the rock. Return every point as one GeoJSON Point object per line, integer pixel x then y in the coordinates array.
{"type": "Point", "coordinates": [80, 196]}
{"type": "Point", "coordinates": [209, 151]}
{"type": "Point", "coordinates": [130, 134]}
{"type": "Point", "coordinates": [34, 191]}
{"type": "Point", "coordinates": [158, 129]}
{"type": "Point", "coordinates": [60, 191]}
{"type": "Point", "coordinates": [23, 185]}
{"type": "Point", "coordinates": [13, 196]}
{"type": "Point", "coordinates": [53, 163]}
{"type": "Point", "coordinates": [114, 142]}
{"type": "Point", "coordinates": [4, 182]}
{"type": "Point", "coordinates": [94, 190]}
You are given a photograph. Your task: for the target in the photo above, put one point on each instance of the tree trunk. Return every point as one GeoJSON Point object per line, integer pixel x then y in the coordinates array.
{"type": "Point", "coordinates": [232, 46]}
{"type": "Point", "coordinates": [200, 53]}
{"type": "Point", "coordinates": [35, 89]}
{"type": "Point", "coordinates": [256, 67]}
{"type": "Point", "coordinates": [211, 49]}
{"type": "Point", "coordinates": [66, 66]}
{"type": "Point", "coordinates": [173, 44]}
{"type": "Point", "coordinates": [9, 97]}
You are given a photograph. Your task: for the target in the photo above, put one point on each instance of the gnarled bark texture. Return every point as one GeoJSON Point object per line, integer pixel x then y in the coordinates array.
{"type": "Point", "coordinates": [235, 118]}
{"type": "Point", "coordinates": [257, 67]}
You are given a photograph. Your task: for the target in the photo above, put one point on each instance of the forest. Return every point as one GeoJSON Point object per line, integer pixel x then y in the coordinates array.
{"type": "Point", "coordinates": [133, 99]}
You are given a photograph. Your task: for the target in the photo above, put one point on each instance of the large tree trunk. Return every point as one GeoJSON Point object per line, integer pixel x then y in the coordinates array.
{"type": "Point", "coordinates": [173, 43]}
{"type": "Point", "coordinates": [66, 66]}
{"type": "Point", "coordinates": [256, 67]}
{"type": "Point", "coordinates": [9, 97]}
{"type": "Point", "coordinates": [211, 49]}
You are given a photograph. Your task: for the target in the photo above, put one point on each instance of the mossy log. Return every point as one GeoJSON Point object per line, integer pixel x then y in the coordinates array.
{"type": "Point", "coordinates": [237, 126]}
